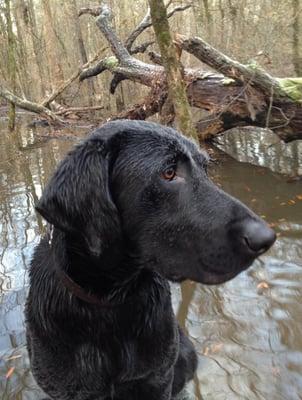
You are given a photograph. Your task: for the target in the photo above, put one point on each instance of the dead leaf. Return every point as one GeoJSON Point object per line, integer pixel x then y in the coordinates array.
{"type": "Point", "coordinates": [299, 196]}
{"type": "Point", "coordinates": [9, 372]}
{"type": "Point", "coordinates": [263, 285]}
{"type": "Point", "coordinates": [217, 347]}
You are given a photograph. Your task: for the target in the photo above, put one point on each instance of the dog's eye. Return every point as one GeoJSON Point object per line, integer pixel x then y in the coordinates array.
{"type": "Point", "coordinates": [169, 174]}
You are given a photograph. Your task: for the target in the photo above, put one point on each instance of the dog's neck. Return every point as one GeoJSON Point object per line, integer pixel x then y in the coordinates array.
{"type": "Point", "coordinates": [100, 276]}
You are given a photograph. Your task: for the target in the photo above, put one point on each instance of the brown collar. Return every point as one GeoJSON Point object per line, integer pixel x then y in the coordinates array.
{"type": "Point", "coordinates": [79, 292]}
{"type": "Point", "coordinates": [73, 287]}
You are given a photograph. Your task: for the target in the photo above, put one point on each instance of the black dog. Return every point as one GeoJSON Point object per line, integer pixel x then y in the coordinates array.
{"type": "Point", "coordinates": [130, 208]}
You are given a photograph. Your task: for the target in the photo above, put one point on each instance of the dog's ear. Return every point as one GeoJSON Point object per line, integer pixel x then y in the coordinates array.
{"type": "Point", "coordinates": [77, 199]}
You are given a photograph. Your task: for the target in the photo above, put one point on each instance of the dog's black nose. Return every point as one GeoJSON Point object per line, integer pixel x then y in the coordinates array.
{"type": "Point", "coordinates": [257, 235]}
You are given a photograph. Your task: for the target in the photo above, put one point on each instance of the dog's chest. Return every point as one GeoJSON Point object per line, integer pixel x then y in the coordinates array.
{"type": "Point", "coordinates": [131, 350]}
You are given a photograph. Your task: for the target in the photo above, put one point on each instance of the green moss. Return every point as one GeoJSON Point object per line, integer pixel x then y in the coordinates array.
{"type": "Point", "coordinates": [253, 65]}
{"type": "Point", "coordinates": [292, 87]}
{"type": "Point", "coordinates": [227, 81]}
{"type": "Point", "coordinates": [111, 62]}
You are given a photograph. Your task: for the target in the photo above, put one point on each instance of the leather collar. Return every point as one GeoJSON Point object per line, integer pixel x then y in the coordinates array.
{"type": "Point", "coordinates": [75, 288]}
{"type": "Point", "coordinates": [81, 293]}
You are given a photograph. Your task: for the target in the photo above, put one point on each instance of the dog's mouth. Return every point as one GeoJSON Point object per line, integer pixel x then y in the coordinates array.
{"type": "Point", "coordinates": [209, 276]}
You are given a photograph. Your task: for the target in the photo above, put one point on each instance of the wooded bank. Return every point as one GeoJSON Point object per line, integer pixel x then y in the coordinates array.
{"type": "Point", "coordinates": [235, 95]}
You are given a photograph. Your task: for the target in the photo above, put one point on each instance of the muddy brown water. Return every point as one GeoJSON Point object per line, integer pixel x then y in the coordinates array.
{"type": "Point", "coordinates": [248, 332]}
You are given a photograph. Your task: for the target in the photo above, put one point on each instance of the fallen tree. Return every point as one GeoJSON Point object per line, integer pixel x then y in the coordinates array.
{"type": "Point", "coordinates": [239, 95]}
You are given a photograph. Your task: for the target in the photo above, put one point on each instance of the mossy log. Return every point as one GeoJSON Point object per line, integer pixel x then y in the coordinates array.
{"type": "Point", "coordinates": [240, 95]}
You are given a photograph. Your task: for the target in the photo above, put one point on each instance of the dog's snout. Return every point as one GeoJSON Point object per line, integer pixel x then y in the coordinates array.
{"type": "Point", "coordinates": [257, 236]}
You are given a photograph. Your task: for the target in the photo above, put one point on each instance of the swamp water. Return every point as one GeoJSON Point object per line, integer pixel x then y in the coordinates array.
{"type": "Point", "coordinates": [247, 332]}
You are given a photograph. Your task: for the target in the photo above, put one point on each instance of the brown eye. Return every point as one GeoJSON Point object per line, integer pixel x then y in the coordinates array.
{"type": "Point", "coordinates": [169, 174]}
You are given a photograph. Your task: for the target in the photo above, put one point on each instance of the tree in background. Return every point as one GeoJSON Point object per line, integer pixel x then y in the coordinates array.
{"type": "Point", "coordinates": [11, 62]}
{"type": "Point", "coordinates": [297, 51]}
{"type": "Point", "coordinates": [173, 68]}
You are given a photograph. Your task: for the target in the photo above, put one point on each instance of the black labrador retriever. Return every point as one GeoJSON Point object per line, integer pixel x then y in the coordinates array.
{"type": "Point", "coordinates": [130, 208]}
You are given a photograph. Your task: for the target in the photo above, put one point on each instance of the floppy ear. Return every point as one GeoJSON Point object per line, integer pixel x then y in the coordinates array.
{"type": "Point", "coordinates": [77, 199]}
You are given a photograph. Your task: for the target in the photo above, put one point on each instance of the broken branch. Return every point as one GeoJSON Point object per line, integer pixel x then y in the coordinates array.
{"type": "Point", "coordinates": [29, 105]}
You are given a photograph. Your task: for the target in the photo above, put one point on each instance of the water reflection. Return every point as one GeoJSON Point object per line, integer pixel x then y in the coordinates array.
{"type": "Point", "coordinates": [248, 332]}
{"type": "Point", "coordinates": [262, 147]}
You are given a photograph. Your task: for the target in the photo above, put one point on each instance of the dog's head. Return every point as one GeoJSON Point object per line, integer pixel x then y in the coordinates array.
{"type": "Point", "coordinates": [144, 187]}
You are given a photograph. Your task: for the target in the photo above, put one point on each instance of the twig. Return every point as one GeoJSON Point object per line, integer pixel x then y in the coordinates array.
{"type": "Point", "coordinates": [269, 111]}
{"type": "Point", "coordinates": [69, 81]}
{"type": "Point", "coordinates": [146, 23]}
{"type": "Point", "coordinates": [79, 110]}
{"type": "Point", "coordinates": [142, 47]}
{"type": "Point", "coordinates": [94, 11]}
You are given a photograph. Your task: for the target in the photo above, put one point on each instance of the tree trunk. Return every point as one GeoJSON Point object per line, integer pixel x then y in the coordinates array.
{"type": "Point", "coordinates": [56, 72]}
{"type": "Point", "coordinates": [297, 42]}
{"type": "Point", "coordinates": [81, 46]}
{"type": "Point", "coordinates": [11, 63]}
{"type": "Point", "coordinates": [173, 68]}
{"type": "Point", "coordinates": [37, 45]}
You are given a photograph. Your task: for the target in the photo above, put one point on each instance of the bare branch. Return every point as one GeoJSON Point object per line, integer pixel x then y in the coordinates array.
{"type": "Point", "coordinates": [117, 79]}
{"type": "Point", "coordinates": [29, 105]}
{"type": "Point", "coordinates": [94, 70]}
{"type": "Point", "coordinates": [94, 11]}
{"type": "Point", "coordinates": [155, 57]}
{"type": "Point", "coordinates": [65, 111]}
{"type": "Point", "coordinates": [69, 81]}
{"type": "Point", "coordinates": [143, 25]}
{"type": "Point", "coordinates": [142, 47]}
{"type": "Point", "coordinates": [230, 68]}
{"type": "Point", "coordinates": [149, 106]}
{"type": "Point", "coordinates": [178, 9]}
{"type": "Point", "coordinates": [103, 22]}
{"type": "Point", "coordinates": [146, 23]}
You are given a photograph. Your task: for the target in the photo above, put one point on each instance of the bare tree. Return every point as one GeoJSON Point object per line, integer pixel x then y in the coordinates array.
{"type": "Point", "coordinates": [297, 42]}
{"type": "Point", "coordinates": [11, 48]}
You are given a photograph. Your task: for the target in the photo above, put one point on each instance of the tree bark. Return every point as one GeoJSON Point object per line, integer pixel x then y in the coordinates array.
{"type": "Point", "coordinates": [82, 50]}
{"type": "Point", "coordinates": [251, 74]}
{"type": "Point", "coordinates": [11, 63]}
{"type": "Point", "coordinates": [56, 72]}
{"type": "Point", "coordinates": [173, 68]}
{"type": "Point", "coordinates": [28, 105]}
{"type": "Point", "coordinates": [297, 42]}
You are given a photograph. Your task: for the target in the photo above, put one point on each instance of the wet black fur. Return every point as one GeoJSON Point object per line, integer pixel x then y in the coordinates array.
{"type": "Point", "coordinates": [121, 232]}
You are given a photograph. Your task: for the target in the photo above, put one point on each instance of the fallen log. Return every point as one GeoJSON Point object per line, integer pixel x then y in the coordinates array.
{"type": "Point", "coordinates": [30, 106]}
{"type": "Point", "coordinates": [239, 95]}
